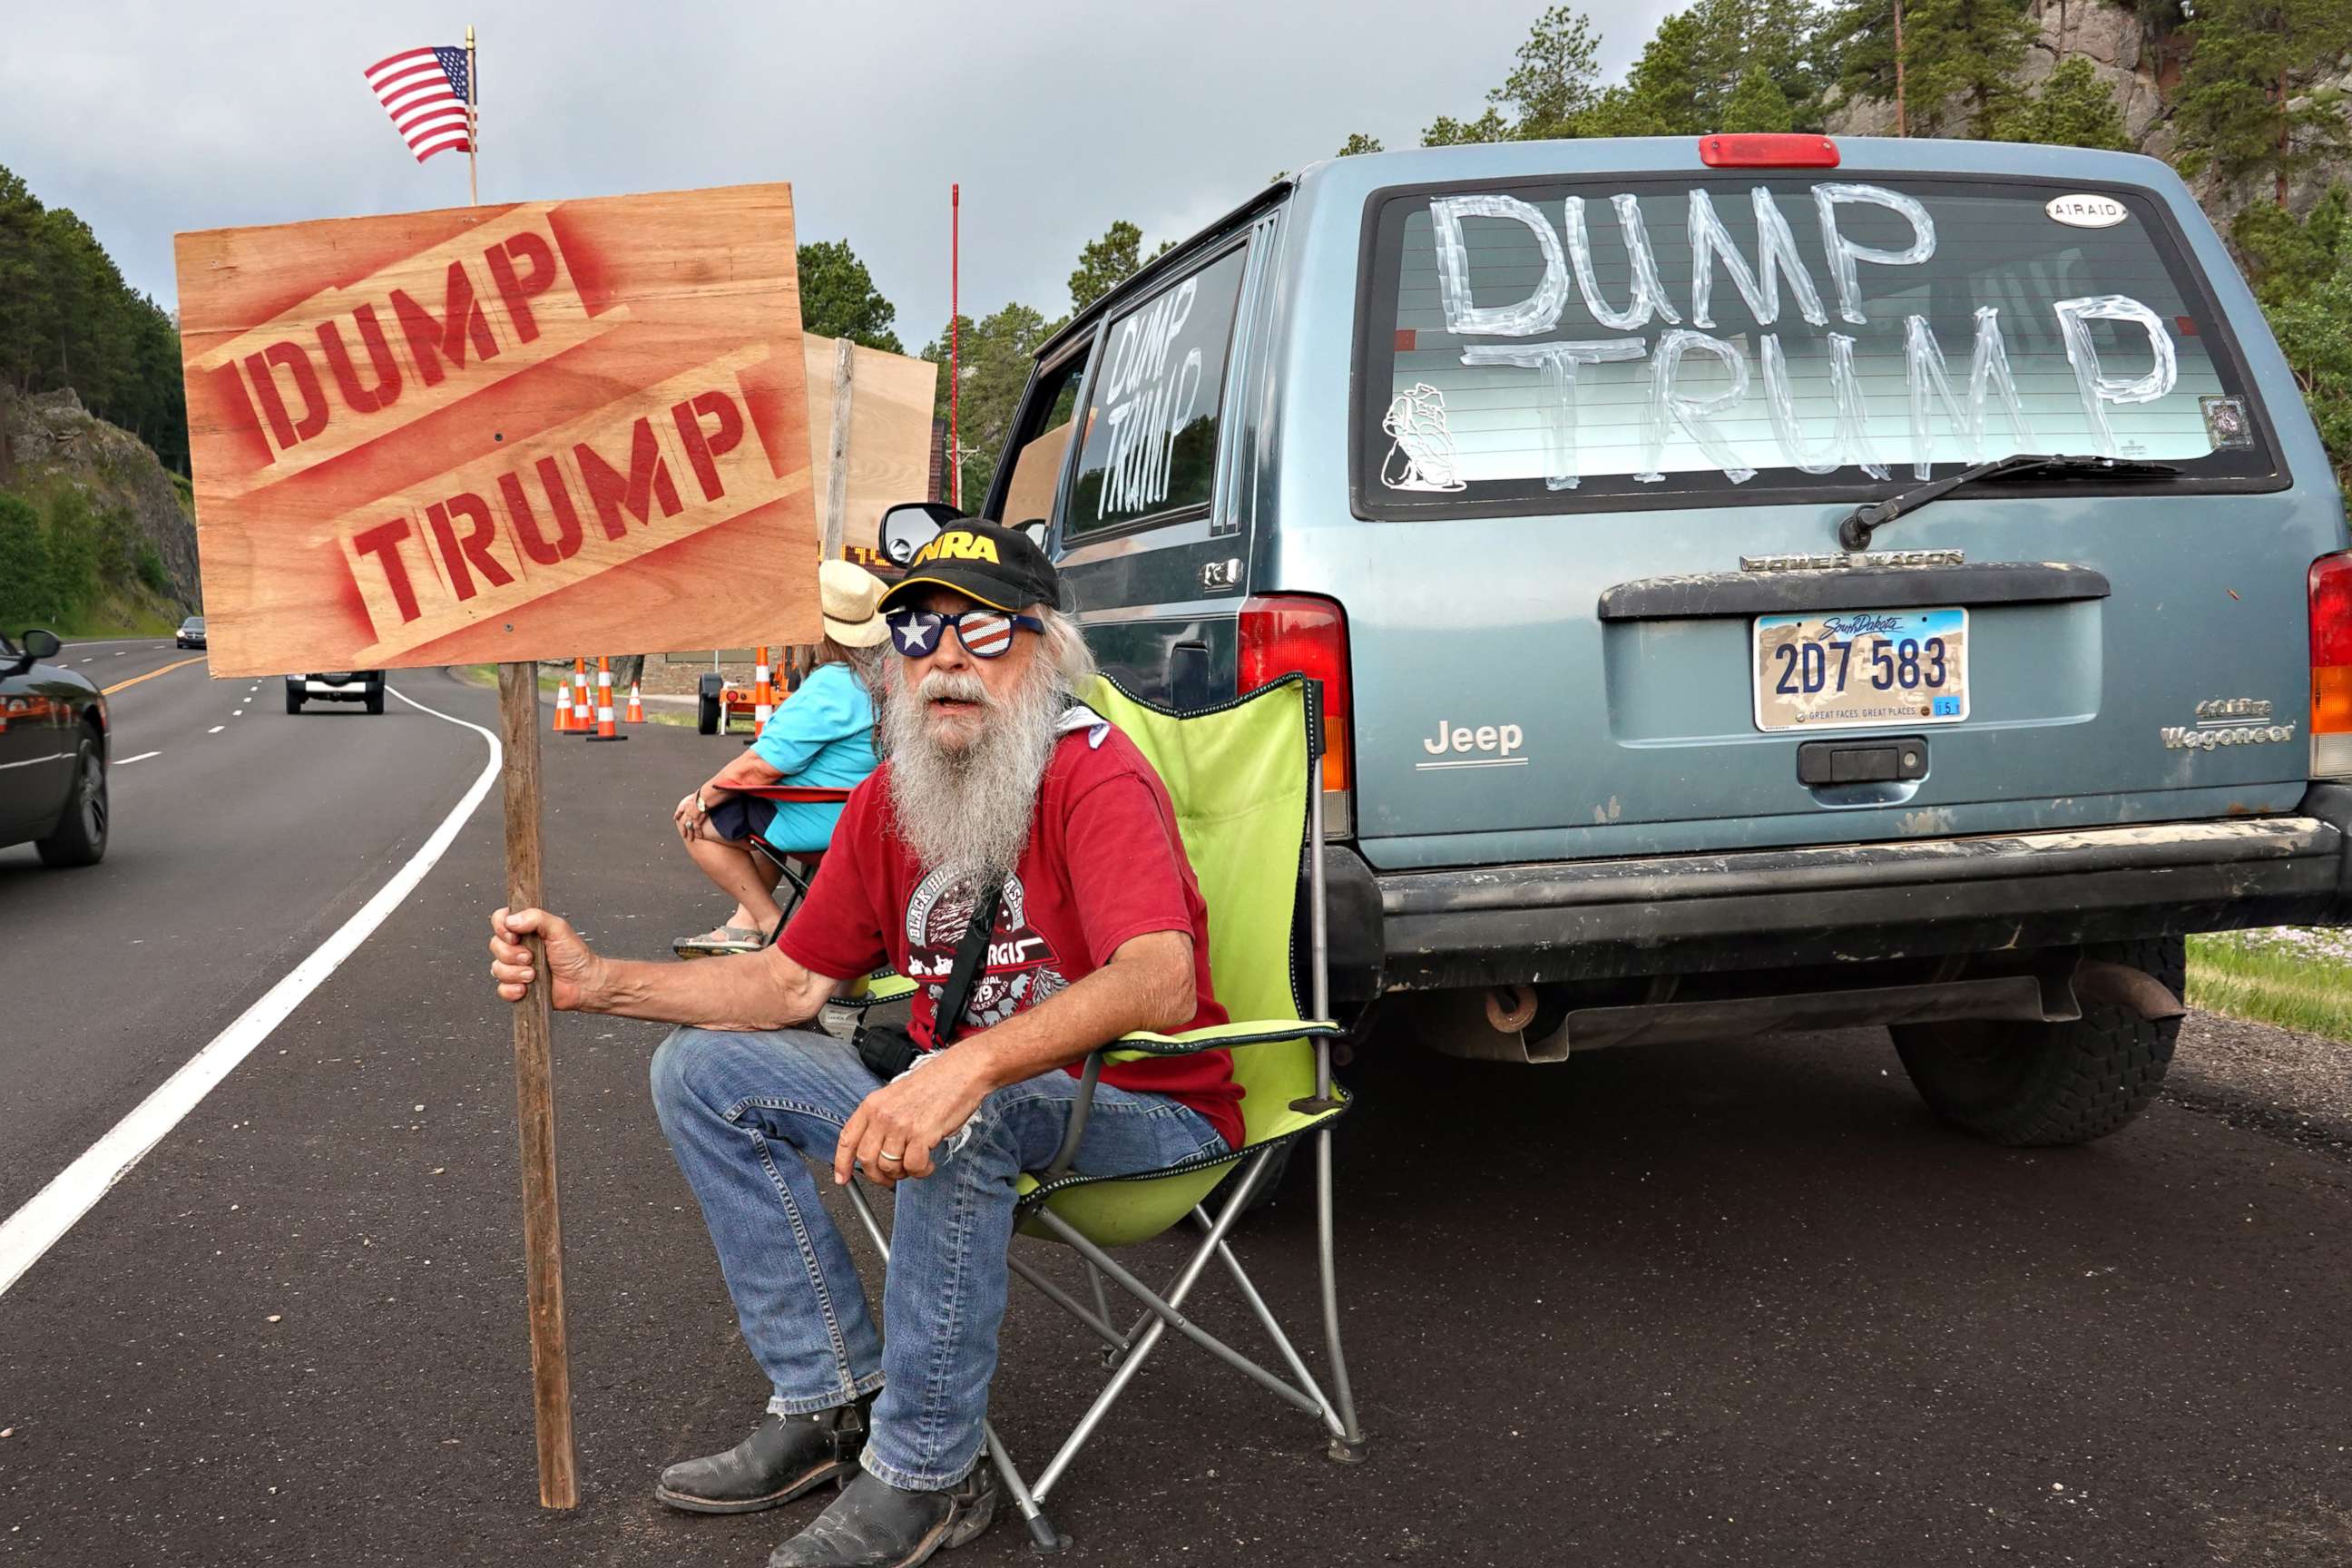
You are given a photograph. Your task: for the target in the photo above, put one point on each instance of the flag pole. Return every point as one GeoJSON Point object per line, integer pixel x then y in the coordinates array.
{"type": "Point", "coordinates": [543, 1224]}
{"type": "Point", "coordinates": [473, 130]}
{"type": "Point", "coordinates": [955, 368]}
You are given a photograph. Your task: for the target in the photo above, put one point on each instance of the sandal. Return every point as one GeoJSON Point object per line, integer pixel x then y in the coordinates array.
{"type": "Point", "coordinates": [716, 943]}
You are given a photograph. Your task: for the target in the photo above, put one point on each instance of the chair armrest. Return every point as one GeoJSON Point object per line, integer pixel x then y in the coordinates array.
{"type": "Point", "coordinates": [874, 990]}
{"type": "Point", "coordinates": [800, 795]}
{"type": "Point", "coordinates": [1219, 1036]}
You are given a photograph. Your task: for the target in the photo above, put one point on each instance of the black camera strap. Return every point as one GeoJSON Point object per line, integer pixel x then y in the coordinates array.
{"type": "Point", "coordinates": [966, 971]}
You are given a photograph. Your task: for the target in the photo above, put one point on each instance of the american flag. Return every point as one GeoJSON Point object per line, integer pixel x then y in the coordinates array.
{"type": "Point", "coordinates": [424, 90]}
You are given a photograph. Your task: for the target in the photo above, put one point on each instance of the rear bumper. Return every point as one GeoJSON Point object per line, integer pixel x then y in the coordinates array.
{"type": "Point", "coordinates": [353, 689]}
{"type": "Point", "coordinates": [1857, 903]}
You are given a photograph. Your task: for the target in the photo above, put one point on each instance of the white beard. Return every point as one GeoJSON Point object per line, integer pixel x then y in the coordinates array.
{"type": "Point", "coordinates": [967, 810]}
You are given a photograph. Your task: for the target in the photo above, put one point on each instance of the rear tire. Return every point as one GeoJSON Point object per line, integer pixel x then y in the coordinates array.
{"type": "Point", "coordinates": [293, 699]}
{"type": "Point", "coordinates": [375, 699]}
{"type": "Point", "coordinates": [2050, 1085]}
{"type": "Point", "coordinates": [706, 717]}
{"type": "Point", "coordinates": [79, 836]}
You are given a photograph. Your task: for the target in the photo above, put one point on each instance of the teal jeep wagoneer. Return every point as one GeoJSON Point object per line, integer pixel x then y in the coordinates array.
{"type": "Point", "coordinates": [1757, 583]}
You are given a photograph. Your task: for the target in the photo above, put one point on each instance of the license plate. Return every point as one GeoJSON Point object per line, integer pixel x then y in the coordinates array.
{"type": "Point", "coordinates": [1861, 668]}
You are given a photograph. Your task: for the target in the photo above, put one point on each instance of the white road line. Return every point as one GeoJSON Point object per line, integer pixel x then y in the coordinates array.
{"type": "Point", "coordinates": [126, 762]}
{"type": "Point", "coordinates": [215, 729]}
{"type": "Point", "coordinates": [238, 714]}
{"type": "Point", "coordinates": [109, 642]}
{"type": "Point", "coordinates": [32, 1230]}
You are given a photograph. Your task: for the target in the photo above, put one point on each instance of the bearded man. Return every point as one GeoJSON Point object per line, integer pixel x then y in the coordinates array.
{"type": "Point", "coordinates": [994, 776]}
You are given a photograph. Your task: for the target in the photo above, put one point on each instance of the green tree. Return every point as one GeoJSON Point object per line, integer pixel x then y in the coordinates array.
{"type": "Point", "coordinates": [2243, 105]}
{"type": "Point", "coordinates": [75, 553]}
{"type": "Point", "coordinates": [1447, 131]}
{"type": "Point", "coordinates": [2286, 255]}
{"type": "Point", "coordinates": [1960, 59]}
{"type": "Point", "coordinates": [1357, 142]}
{"type": "Point", "coordinates": [68, 319]}
{"type": "Point", "coordinates": [2302, 272]}
{"type": "Point", "coordinates": [1556, 78]}
{"type": "Point", "coordinates": [2315, 332]}
{"type": "Point", "coordinates": [25, 308]}
{"type": "Point", "coordinates": [2076, 108]}
{"type": "Point", "coordinates": [1622, 112]}
{"type": "Point", "coordinates": [993, 356]}
{"type": "Point", "coordinates": [1699, 60]}
{"type": "Point", "coordinates": [1757, 104]}
{"type": "Point", "coordinates": [838, 298]}
{"type": "Point", "coordinates": [1663, 95]}
{"type": "Point", "coordinates": [150, 570]}
{"type": "Point", "coordinates": [24, 566]}
{"type": "Point", "coordinates": [1106, 263]}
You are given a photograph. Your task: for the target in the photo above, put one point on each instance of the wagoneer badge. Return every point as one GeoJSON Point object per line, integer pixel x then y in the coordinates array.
{"type": "Point", "coordinates": [2223, 721]}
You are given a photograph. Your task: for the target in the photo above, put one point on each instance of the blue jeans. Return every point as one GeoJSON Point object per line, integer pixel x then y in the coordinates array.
{"type": "Point", "coordinates": [742, 1111]}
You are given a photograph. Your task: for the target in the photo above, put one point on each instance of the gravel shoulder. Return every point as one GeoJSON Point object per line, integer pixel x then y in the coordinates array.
{"type": "Point", "coordinates": [2275, 1081]}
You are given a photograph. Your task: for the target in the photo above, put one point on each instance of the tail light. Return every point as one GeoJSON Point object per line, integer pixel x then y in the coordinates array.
{"type": "Point", "coordinates": [1285, 632]}
{"type": "Point", "coordinates": [2331, 665]}
{"type": "Point", "coordinates": [1754, 151]}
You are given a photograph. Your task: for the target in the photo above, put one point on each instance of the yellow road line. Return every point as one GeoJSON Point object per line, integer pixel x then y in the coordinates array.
{"type": "Point", "coordinates": [150, 675]}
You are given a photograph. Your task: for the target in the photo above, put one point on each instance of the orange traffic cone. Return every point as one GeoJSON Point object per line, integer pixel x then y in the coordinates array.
{"type": "Point", "coordinates": [763, 697]}
{"type": "Point", "coordinates": [606, 730]}
{"type": "Point", "coordinates": [636, 713]}
{"type": "Point", "coordinates": [583, 718]}
{"type": "Point", "coordinates": [563, 704]}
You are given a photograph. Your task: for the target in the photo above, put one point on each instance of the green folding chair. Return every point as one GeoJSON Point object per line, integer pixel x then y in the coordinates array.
{"type": "Point", "coordinates": [1242, 777]}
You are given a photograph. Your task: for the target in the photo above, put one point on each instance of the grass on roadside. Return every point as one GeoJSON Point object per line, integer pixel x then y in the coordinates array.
{"type": "Point", "coordinates": [2294, 977]}
{"type": "Point", "coordinates": [132, 613]}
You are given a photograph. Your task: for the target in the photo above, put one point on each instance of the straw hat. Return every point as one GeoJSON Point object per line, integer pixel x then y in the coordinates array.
{"type": "Point", "coordinates": [850, 599]}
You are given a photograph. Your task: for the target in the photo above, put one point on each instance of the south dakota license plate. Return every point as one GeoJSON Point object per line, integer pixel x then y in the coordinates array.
{"type": "Point", "coordinates": [1861, 668]}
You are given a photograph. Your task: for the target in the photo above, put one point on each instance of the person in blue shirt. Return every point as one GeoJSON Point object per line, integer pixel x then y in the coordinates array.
{"type": "Point", "coordinates": [821, 736]}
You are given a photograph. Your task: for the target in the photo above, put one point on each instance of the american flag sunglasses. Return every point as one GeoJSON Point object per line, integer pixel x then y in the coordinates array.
{"type": "Point", "coordinates": [985, 634]}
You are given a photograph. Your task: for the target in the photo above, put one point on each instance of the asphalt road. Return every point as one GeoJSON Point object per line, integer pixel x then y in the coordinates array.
{"type": "Point", "coordinates": [240, 835]}
{"type": "Point", "coordinates": [1740, 1304]}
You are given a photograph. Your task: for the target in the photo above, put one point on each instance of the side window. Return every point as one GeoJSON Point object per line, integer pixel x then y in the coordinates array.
{"type": "Point", "coordinates": [1042, 441]}
{"type": "Point", "coordinates": [1150, 440]}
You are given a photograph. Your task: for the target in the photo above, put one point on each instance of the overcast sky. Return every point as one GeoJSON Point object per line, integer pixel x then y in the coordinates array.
{"type": "Point", "coordinates": [1056, 116]}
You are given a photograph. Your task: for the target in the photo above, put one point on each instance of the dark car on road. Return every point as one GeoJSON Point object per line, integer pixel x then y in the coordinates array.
{"type": "Point", "coordinates": [52, 755]}
{"type": "Point", "coordinates": [191, 633]}
{"type": "Point", "coordinates": [336, 686]}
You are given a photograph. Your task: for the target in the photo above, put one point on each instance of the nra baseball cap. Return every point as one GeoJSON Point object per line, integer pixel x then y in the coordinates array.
{"type": "Point", "coordinates": [986, 562]}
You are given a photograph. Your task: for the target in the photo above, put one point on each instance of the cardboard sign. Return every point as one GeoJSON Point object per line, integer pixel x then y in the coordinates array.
{"type": "Point", "coordinates": [494, 432]}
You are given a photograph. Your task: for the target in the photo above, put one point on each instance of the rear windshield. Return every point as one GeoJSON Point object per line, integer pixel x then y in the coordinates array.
{"type": "Point", "coordinates": [1679, 339]}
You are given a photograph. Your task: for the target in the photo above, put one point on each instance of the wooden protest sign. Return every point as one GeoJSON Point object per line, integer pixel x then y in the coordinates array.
{"type": "Point", "coordinates": [888, 437]}
{"type": "Point", "coordinates": [499, 433]}
{"type": "Point", "coordinates": [503, 433]}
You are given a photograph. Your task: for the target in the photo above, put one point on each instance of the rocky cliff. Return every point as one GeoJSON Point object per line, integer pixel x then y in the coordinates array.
{"type": "Point", "coordinates": [50, 439]}
{"type": "Point", "coordinates": [2140, 61]}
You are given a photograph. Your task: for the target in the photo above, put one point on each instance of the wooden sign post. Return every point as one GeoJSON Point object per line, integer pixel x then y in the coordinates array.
{"type": "Point", "coordinates": [534, 1055]}
{"type": "Point", "coordinates": [503, 433]}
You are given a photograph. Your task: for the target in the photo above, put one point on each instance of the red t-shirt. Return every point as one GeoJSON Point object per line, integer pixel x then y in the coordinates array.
{"type": "Point", "coordinates": [1104, 864]}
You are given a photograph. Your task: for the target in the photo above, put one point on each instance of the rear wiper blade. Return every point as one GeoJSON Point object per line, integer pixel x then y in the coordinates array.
{"type": "Point", "coordinates": [1867, 519]}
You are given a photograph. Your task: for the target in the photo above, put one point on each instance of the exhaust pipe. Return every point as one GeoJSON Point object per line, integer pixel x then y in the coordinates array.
{"type": "Point", "coordinates": [1488, 1026]}
{"type": "Point", "coordinates": [1510, 1008]}
{"type": "Point", "coordinates": [2121, 986]}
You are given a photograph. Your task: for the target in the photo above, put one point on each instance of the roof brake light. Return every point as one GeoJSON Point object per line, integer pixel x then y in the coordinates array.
{"type": "Point", "coordinates": [1767, 151]}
